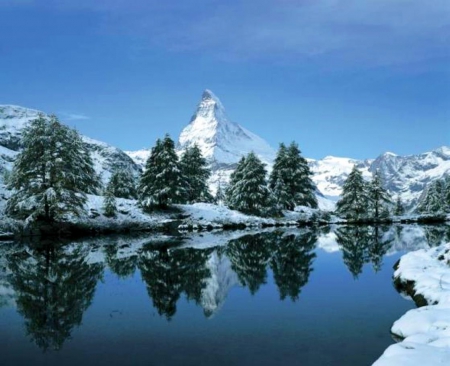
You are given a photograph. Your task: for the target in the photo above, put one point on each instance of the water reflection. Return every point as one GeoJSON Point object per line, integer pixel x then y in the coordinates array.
{"type": "Point", "coordinates": [363, 244]}
{"type": "Point", "coordinates": [53, 287]}
{"type": "Point", "coordinates": [53, 284]}
{"type": "Point", "coordinates": [292, 262]}
{"type": "Point", "coordinates": [168, 273]}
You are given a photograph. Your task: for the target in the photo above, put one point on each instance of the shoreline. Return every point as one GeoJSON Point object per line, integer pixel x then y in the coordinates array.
{"type": "Point", "coordinates": [424, 332]}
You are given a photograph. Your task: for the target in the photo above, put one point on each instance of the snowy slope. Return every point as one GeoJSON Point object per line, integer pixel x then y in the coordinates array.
{"type": "Point", "coordinates": [224, 142]}
{"type": "Point", "coordinates": [330, 173]}
{"type": "Point", "coordinates": [408, 176]}
{"type": "Point", "coordinates": [221, 141]}
{"type": "Point", "coordinates": [13, 119]}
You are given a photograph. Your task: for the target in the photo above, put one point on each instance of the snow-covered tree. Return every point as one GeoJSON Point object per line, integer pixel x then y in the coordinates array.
{"type": "Point", "coordinates": [195, 172]}
{"type": "Point", "coordinates": [399, 209]}
{"type": "Point", "coordinates": [219, 198]}
{"type": "Point", "coordinates": [433, 199]}
{"type": "Point", "coordinates": [379, 198]}
{"type": "Point", "coordinates": [109, 204]}
{"type": "Point", "coordinates": [248, 191]}
{"type": "Point", "coordinates": [161, 183]}
{"type": "Point", "coordinates": [354, 201]}
{"type": "Point", "coordinates": [122, 184]}
{"type": "Point", "coordinates": [52, 174]}
{"type": "Point", "coordinates": [290, 180]}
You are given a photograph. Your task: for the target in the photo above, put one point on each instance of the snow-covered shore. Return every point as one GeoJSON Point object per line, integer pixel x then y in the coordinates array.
{"type": "Point", "coordinates": [425, 331]}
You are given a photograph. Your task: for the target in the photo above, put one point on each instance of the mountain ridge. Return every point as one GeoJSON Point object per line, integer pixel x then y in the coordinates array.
{"type": "Point", "coordinates": [224, 142]}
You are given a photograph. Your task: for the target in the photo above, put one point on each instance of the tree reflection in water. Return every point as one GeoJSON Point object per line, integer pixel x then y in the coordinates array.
{"type": "Point", "coordinates": [53, 284]}
{"type": "Point", "coordinates": [122, 266]}
{"type": "Point", "coordinates": [363, 244]}
{"type": "Point", "coordinates": [291, 263]}
{"type": "Point", "coordinates": [53, 287]}
{"type": "Point", "coordinates": [168, 273]}
{"type": "Point", "coordinates": [249, 256]}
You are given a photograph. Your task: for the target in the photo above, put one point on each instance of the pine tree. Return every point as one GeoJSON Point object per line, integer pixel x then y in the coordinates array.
{"type": "Point", "coordinates": [219, 198]}
{"type": "Point", "coordinates": [248, 191]}
{"type": "Point", "coordinates": [195, 172]}
{"type": "Point", "coordinates": [52, 174]}
{"type": "Point", "coordinates": [399, 209]}
{"type": "Point", "coordinates": [378, 196]}
{"type": "Point", "coordinates": [290, 180]}
{"type": "Point", "coordinates": [161, 184]}
{"type": "Point", "coordinates": [109, 204]}
{"type": "Point", "coordinates": [279, 178]}
{"type": "Point", "coordinates": [433, 199]}
{"type": "Point", "coordinates": [354, 201]}
{"type": "Point", "coordinates": [122, 184]}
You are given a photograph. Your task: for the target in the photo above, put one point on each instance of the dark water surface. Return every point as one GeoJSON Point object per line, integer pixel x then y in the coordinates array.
{"type": "Point", "coordinates": [296, 297]}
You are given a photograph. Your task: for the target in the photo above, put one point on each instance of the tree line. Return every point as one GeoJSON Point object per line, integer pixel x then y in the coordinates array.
{"type": "Point", "coordinates": [54, 172]}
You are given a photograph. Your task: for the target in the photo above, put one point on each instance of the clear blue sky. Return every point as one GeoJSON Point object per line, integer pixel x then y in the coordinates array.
{"type": "Point", "coordinates": [341, 77]}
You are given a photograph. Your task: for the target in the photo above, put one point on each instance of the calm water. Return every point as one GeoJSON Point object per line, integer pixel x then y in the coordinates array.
{"type": "Point", "coordinates": [296, 297]}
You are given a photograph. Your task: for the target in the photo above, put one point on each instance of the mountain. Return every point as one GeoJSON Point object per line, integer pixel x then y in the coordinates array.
{"type": "Point", "coordinates": [224, 142]}
{"type": "Point", "coordinates": [404, 176]}
{"type": "Point", "coordinates": [330, 173]}
{"type": "Point", "coordinates": [408, 176]}
{"type": "Point", "coordinates": [221, 141]}
{"type": "Point", "coordinates": [13, 120]}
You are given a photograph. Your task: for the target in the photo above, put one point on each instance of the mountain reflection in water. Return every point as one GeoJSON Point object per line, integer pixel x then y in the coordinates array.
{"type": "Point", "coordinates": [52, 284]}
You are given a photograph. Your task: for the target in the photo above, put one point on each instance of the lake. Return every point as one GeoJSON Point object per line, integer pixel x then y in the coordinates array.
{"type": "Point", "coordinates": [292, 297]}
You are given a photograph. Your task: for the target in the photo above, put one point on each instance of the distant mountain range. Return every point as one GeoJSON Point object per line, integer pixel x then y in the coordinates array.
{"type": "Point", "coordinates": [224, 142]}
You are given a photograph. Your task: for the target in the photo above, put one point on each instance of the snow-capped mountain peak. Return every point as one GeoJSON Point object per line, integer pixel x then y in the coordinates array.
{"type": "Point", "coordinates": [220, 139]}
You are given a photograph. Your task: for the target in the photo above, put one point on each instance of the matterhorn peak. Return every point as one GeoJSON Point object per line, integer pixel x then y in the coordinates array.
{"type": "Point", "coordinates": [220, 139]}
{"type": "Point", "coordinates": [210, 110]}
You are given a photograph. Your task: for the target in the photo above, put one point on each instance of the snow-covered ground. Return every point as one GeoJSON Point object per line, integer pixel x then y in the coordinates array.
{"type": "Point", "coordinates": [425, 331]}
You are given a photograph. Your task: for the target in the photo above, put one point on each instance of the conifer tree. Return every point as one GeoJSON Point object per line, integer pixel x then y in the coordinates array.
{"type": "Point", "coordinates": [161, 183]}
{"type": "Point", "coordinates": [248, 191]}
{"type": "Point", "coordinates": [195, 173]}
{"type": "Point", "coordinates": [378, 196]}
{"type": "Point", "coordinates": [290, 180]}
{"type": "Point", "coordinates": [52, 174]}
{"type": "Point", "coordinates": [109, 204]}
{"type": "Point", "coordinates": [399, 209]}
{"type": "Point", "coordinates": [122, 184]}
{"type": "Point", "coordinates": [354, 201]}
{"type": "Point", "coordinates": [219, 198]}
{"type": "Point", "coordinates": [433, 199]}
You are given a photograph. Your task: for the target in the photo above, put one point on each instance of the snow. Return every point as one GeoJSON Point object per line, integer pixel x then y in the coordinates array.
{"type": "Point", "coordinates": [426, 330]}
{"type": "Point", "coordinates": [330, 173]}
{"type": "Point", "coordinates": [218, 138]}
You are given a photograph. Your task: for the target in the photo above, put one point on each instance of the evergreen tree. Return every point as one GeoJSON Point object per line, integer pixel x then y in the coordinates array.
{"type": "Point", "coordinates": [433, 199]}
{"type": "Point", "coordinates": [219, 198]}
{"type": "Point", "coordinates": [161, 184]}
{"type": "Point", "coordinates": [122, 184]}
{"type": "Point", "coordinates": [290, 179]}
{"type": "Point", "coordinates": [248, 191]}
{"type": "Point", "coordinates": [354, 201]}
{"type": "Point", "coordinates": [195, 172]}
{"type": "Point", "coordinates": [52, 174]}
{"type": "Point", "coordinates": [378, 197]}
{"type": "Point", "coordinates": [447, 192]}
{"type": "Point", "coordinates": [399, 209]}
{"type": "Point", "coordinates": [109, 204]}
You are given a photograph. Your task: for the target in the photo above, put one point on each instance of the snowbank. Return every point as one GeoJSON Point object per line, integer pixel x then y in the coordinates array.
{"type": "Point", "coordinates": [425, 331]}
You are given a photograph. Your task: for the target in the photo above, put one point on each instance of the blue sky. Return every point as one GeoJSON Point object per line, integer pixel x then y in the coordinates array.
{"type": "Point", "coordinates": [341, 77]}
